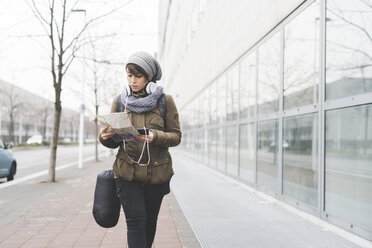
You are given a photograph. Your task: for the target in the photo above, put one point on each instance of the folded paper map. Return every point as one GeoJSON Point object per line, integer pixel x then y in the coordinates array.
{"type": "Point", "coordinates": [119, 123]}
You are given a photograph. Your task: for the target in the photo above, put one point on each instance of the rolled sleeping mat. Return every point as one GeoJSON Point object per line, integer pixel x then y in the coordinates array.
{"type": "Point", "coordinates": [106, 205]}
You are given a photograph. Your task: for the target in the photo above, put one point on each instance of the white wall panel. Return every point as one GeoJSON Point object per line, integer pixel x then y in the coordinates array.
{"type": "Point", "coordinates": [226, 31]}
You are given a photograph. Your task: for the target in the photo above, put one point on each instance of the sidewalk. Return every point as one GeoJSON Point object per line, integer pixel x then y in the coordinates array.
{"type": "Point", "coordinates": [225, 213]}
{"type": "Point", "coordinates": [37, 214]}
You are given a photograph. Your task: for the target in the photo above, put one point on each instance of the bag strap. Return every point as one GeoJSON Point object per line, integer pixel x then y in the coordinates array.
{"type": "Point", "coordinates": [119, 105]}
{"type": "Point", "coordinates": [162, 105]}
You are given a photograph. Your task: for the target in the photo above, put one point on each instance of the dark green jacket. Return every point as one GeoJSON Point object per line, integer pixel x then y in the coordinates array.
{"type": "Point", "coordinates": [160, 168]}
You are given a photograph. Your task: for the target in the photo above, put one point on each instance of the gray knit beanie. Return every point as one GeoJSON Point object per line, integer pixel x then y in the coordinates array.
{"type": "Point", "coordinates": [148, 63]}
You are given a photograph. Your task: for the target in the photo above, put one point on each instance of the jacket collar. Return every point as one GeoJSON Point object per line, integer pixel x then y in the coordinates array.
{"type": "Point", "coordinates": [140, 94]}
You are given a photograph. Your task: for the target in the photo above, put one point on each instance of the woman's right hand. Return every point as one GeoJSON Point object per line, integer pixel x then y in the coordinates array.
{"type": "Point", "coordinates": [104, 134]}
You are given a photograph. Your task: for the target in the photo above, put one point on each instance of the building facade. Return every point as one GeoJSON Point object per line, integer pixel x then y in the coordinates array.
{"type": "Point", "coordinates": [278, 95]}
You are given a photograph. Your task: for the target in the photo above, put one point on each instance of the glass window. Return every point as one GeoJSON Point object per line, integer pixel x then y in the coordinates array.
{"type": "Point", "coordinates": [301, 59]}
{"type": "Point", "coordinates": [185, 141]}
{"type": "Point", "coordinates": [300, 158]}
{"type": "Point", "coordinates": [348, 47]}
{"type": "Point", "coordinates": [184, 121]}
{"type": "Point", "coordinates": [183, 118]}
{"type": "Point", "coordinates": [196, 147]}
{"type": "Point", "coordinates": [269, 75]}
{"type": "Point", "coordinates": [212, 147]}
{"type": "Point", "coordinates": [348, 170]}
{"type": "Point", "coordinates": [190, 142]}
{"type": "Point", "coordinates": [232, 150]}
{"type": "Point", "coordinates": [199, 111]}
{"type": "Point", "coordinates": [206, 107]}
{"type": "Point", "coordinates": [267, 154]}
{"type": "Point", "coordinates": [192, 145]}
{"type": "Point", "coordinates": [200, 144]}
{"type": "Point", "coordinates": [221, 148]}
{"type": "Point", "coordinates": [222, 95]}
{"type": "Point", "coordinates": [248, 87]}
{"type": "Point", "coordinates": [193, 142]}
{"type": "Point", "coordinates": [213, 102]}
{"type": "Point", "coordinates": [187, 117]}
{"type": "Point", "coordinates": [247, 152]}
{"type": "Point", "coordinates": [205, 146]}
{"type": "Point", "coordinates": [193, 117]}
{"type": "Point", "coordinates": [233, 94]}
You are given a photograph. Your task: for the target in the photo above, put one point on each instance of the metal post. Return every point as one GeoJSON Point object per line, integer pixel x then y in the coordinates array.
{"type": "Point", "coordinates": [281, 119]}
{"type": "Point", "coordinates": [82, 107]}
{"type": "Point", "coordinates": [81, 136]}
{"type": "Point", "coordinates": [321, 115]}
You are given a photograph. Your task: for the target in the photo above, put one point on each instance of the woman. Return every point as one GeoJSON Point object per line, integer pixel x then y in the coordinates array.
{"type": "Point", "coordinates": [142, 173]}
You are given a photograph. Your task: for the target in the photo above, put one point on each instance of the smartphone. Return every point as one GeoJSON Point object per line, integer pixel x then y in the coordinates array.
{"type": "Point", "coordinates": [143, 131]}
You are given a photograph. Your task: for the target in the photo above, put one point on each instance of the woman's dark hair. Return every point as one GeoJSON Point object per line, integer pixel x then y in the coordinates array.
{"type": "Point", "coordinates": [136, 70]}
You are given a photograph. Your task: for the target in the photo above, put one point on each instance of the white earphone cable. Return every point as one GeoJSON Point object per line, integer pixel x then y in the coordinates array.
{"type": "Point", "coordinates": [145, 144]}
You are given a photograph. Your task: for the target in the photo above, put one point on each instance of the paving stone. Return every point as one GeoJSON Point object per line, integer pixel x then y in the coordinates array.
{"type": "Point", "coordinates": [60, 214]}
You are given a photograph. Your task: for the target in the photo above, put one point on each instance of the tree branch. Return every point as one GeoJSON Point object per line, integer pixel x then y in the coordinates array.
{"type": "Point", "coordinates": [57, 27]}
{"type": "Point", "coordinates": [68, 62]}
{"type": "Point", "coordinates": [18, 23]}
{"type": "Point", "coordinates": [351, 23]}
{"type": "Point", "coordinates": [73, 7]}
{"type": "Point", "coordinates": [92, 21]}
{"type": "Point", "coordinates": [52, 44]}
{"type": "Point", "coordinates": [107, 62]}
{"type": "Point", "coordinates": [350, 48]}
{"type": "Point", "coordinates": [44, 23]}
{"type": "Point", "coordinates": [61, 39]}
{"type": "Point", "coordinates": [37, 12]}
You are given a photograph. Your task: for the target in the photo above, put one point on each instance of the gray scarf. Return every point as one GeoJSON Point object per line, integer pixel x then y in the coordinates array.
{"type": "Point", "coordinates": [144, 104]}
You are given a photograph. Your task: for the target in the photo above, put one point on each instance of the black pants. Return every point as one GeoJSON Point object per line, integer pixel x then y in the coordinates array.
{"type": "Point", "coordinates": [141, 205]}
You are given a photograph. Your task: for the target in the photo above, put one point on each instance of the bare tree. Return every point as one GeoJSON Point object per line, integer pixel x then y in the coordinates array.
{"type": "Point", "coordinates": [27, 126]}
{"type": "Point", "coordinates": [99, 80]}
{"type": "Point", "coordinates": [359, 60]}
{"type": "Point", "coordinates": [44, 113]}
{"type": "Point", "coordinates": [62, 54]}
{"type": "Point", "coordinates": [102, 86]}
{"type": "Point", "coordinates": [14, 103]}
{"type": "Point", "coordinates": [96, 104]}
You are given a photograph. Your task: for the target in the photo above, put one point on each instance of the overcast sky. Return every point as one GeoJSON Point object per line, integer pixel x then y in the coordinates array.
{"type": "Point", "coordinates": [24, 46]}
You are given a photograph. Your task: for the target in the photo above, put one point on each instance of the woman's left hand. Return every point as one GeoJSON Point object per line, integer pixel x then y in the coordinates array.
{"type": "Point", "coordinates": [143, 137]}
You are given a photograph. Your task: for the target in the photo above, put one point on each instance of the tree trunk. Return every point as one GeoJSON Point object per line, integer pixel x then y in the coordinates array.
{"type": "Point", "coordinates": [27, 128]}
{"type": "Point", "coordinates": [11, 128]}
{"type": "Point", "coordinates": [54, 141]}
{"type": "Point", "coordinates": [45, 124]}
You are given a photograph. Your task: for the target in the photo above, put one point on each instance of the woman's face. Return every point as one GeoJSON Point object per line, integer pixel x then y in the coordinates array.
{"type": "Point", "coordinates": [136, 81]}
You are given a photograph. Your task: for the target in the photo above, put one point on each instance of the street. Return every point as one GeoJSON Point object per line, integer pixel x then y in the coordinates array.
{"type": "Point", "coordinates": [36, 159]}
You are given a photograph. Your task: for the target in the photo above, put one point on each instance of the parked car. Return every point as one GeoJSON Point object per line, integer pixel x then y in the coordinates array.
{"type": "Point", "coordinates": [89, 140]}
{"type": "Point", "coordinates": [8, 164]}
{"type": "Point", "coordinates": [66, 140]}
{"type": "Point", "coordinates": [35, 139]}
